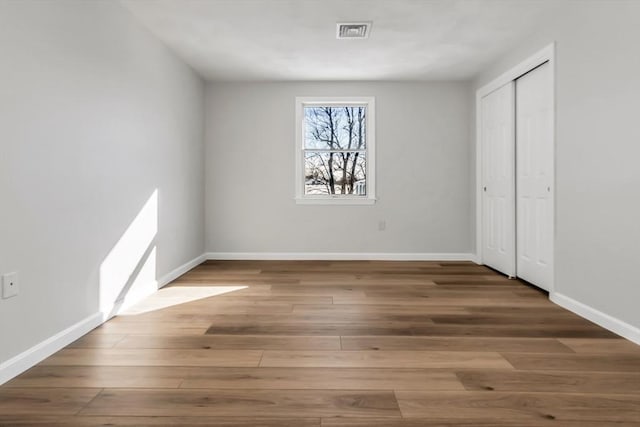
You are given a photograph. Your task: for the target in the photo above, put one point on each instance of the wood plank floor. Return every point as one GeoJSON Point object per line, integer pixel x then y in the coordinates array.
{"type": "Point", "coordinates": [341, 344]}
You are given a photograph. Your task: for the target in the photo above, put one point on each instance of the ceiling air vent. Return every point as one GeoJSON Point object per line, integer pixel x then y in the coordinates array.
{"type": "Point", "coordinates": [353, 30]}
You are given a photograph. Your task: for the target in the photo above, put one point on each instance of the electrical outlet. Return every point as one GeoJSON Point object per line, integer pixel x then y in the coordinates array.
{"type": "Point", "coordinates": [382, 225]}
{"type": "Point", "coordinates": [10, 285]}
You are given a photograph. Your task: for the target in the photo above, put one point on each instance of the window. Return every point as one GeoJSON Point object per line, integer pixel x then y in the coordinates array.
{"type": "Point", "coordinates": [335, 150]}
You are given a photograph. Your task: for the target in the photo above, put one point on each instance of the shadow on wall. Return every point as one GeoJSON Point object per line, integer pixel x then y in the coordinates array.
{"type": "Point", "coordinates": [128, 273]}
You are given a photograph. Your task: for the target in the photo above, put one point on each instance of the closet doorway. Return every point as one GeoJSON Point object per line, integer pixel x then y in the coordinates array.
{"type": "Point", "coordinates": [516, 171]}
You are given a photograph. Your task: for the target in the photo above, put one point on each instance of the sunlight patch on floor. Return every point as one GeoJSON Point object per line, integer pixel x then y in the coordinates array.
{"type": "Point", "coordinates": [177, 295]}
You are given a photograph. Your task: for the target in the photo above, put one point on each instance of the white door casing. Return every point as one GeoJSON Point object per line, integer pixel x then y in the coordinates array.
{"type": "Point", "coordinates": [498, 179]}
{"type": "Point", "coordinates": [534, 176]}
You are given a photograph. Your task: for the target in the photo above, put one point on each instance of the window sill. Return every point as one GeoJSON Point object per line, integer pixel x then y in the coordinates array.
{"type": "Point", "coordinates": [335, 201]}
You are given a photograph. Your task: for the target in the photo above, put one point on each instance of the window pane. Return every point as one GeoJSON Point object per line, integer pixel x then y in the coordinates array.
{"type": "Point", "coordinates": [335, 173]}
{"type": "Point", "coordinates": [337, 128]}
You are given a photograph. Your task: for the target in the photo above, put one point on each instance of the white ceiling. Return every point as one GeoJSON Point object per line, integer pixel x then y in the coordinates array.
{"type": "Point", "coordinates": [296, 40]}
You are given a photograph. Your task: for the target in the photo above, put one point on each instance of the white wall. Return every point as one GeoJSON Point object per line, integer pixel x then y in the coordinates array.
{"type": "Point", "coordinates": [423, 182]}
{"type": "Point", "coordinates": [597, 154]}
{"type": "Point", "coordinates": [95, 116]}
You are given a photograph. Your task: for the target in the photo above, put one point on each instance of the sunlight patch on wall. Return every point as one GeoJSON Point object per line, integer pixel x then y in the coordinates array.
{"type": "Point", "coordinates": [177, 295]}
{"type": "Point", "coordinates": [128, 273]}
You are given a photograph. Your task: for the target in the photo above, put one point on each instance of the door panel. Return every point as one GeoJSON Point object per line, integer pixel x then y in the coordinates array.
{"type": "Point", "coordinates": [534, 176]}
{"type": "Point", "coordinates": [498, 179]}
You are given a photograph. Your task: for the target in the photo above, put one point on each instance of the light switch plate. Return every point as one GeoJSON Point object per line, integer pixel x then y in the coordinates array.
{"type": "Point", "coordinates": [10, 286]}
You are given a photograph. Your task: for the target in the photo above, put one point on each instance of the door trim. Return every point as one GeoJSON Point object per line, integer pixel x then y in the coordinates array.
{"type": "Point", "coordinates": [546, 54]}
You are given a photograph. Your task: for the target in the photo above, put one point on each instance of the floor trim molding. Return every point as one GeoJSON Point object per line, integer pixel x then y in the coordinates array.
{"type": "Point", "coordinates": [28, 358]}
{"type": "Point", "coordinates": [161, 282]}
{"type": "Point", "coordinates": [25, 360]}
{"type": "Point", "coordinates": [611, 323]}
{"type": "Point", "coordinates": [340, 256]}
{"type": "Point", "coordinates": [179, 271]}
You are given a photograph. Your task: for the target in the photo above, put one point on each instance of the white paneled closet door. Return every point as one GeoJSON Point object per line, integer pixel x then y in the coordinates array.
{"type": "Point", "coordinates": [534, 176]}
{"type": "Point", "coordinates": [498, 179]}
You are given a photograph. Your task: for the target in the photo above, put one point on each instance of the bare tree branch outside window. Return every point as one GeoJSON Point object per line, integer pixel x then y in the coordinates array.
{"type": "Point", "coordinates": [335, 150]}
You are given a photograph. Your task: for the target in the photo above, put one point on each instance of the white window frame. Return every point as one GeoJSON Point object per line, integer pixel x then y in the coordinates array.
{"type": "Point", "coordinates": [370, 149]}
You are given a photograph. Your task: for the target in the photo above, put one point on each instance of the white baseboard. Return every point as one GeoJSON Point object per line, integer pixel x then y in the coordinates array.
{"type": "Point", "coordinates": [340, 256]}
{"type": "Point", "coordinates": [25, 360]}
{"type": "Point", "coordinates": [177, 272]}
{"type": "Point", "coordinates": [119, 307]}
{"type": "Point", "coordinates": [617, 326]}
